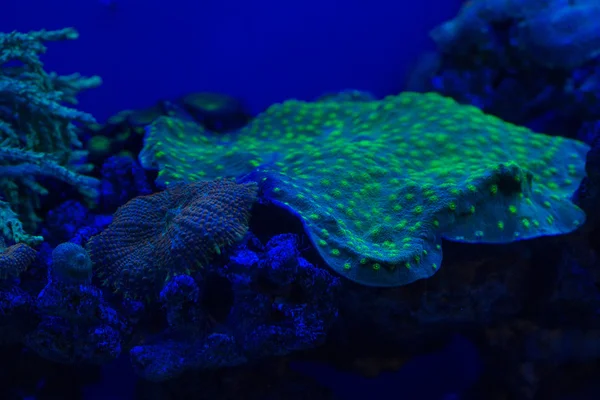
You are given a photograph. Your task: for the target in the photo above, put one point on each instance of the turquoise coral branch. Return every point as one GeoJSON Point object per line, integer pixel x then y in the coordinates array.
{"type": "Point", "coordinates": [12, 228]}
{"type": "Point", "coordinates": [31, 163]}
{"type": "Point", "coordinates": [38, 132]}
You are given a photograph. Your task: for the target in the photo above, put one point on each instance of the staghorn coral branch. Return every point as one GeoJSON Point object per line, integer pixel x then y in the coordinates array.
{"type": "Point", "coordinates": [12, 229]}
{"type": "Point", "coordinates": [38, 131]}
{"type": "Point", "coordinates": [26, 47]}
{"type": "Point", "coordinates": [32, 163]}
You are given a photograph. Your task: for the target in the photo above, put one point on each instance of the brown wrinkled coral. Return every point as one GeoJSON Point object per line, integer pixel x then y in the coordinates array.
{"type": "Point", "coordinates": [170, 233]}
{"type": "Point", "coordinates": [16, 259]}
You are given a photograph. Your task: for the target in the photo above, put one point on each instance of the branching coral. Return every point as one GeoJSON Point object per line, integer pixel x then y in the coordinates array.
{"type": "Point", "coordinates": [12, 228]}
{"type": "Point", "coordinates": [379, 183]}
{"type": "Point", "coordinates": [37, 132]}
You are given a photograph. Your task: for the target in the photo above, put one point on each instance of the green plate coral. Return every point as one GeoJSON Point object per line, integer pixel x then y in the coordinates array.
{"type": "Point", "coordinates": [379, 183]}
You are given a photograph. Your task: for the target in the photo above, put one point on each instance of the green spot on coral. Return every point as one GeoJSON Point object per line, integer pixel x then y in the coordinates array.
{"type": "Point", "coordinates": [401, 225]}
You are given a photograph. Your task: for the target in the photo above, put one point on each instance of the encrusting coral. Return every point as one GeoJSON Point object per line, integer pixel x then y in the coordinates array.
{"type": "Point", "coordinates": [76, 325]}
{"type": "Point", "coordinates": [379, 183]}
{"type": "Point", "coordinates": [15, 259]}
{"type": "Point", "coordinates": [548, 33]}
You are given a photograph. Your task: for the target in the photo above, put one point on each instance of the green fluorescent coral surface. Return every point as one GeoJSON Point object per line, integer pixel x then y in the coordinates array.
{"type": "Point", "coordinates": [379, 183]}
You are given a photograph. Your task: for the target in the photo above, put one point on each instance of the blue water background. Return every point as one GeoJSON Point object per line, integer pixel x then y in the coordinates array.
{"type": "Point", "coordinates": [262, 51]}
